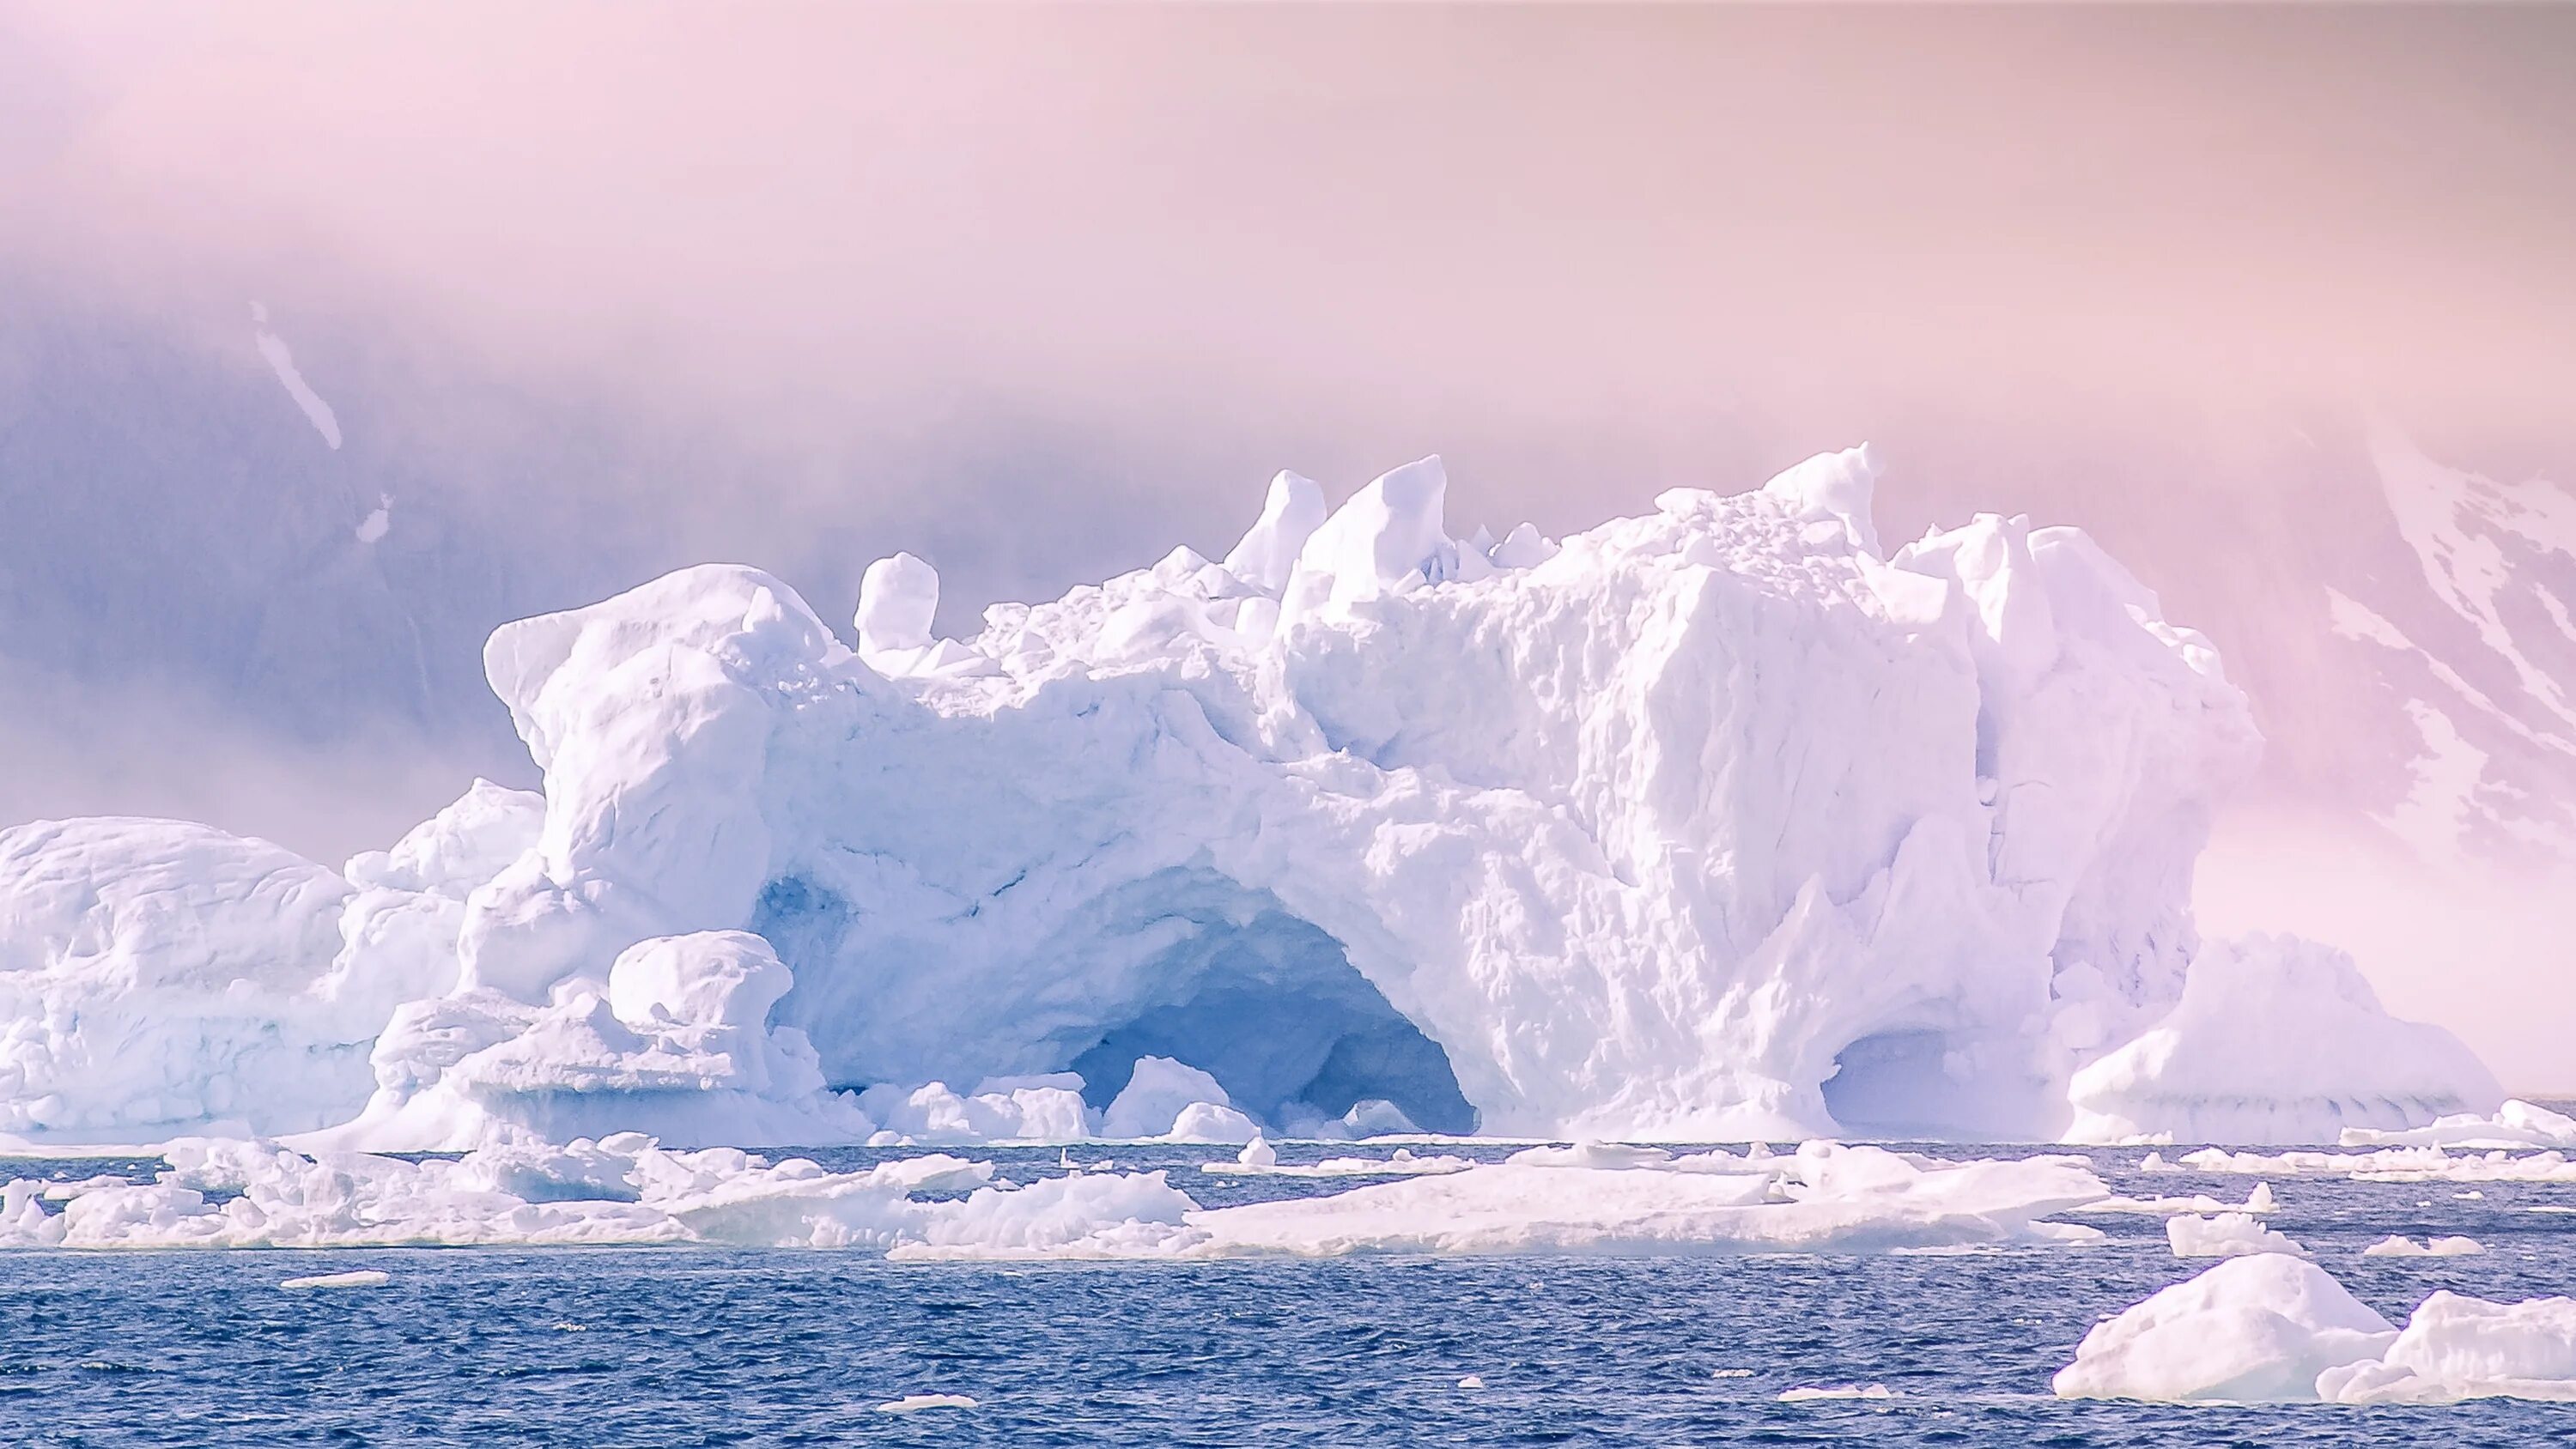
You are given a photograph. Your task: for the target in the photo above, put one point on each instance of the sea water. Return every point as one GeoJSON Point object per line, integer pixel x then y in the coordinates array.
{"type": "Point", "coordinates": [693, 1346]}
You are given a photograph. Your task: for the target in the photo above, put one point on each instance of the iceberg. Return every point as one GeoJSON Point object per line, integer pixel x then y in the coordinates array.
{"type": "Point", "coordinates": [2456, 1347]}
{"type": "Point", "coordinates": [2255, 1329]}
{"type": "Point", "coordinates": [158, 976]}
{"type": "Point", "coordinates": [2271, 1036]}
{"type": "Point", "coordinates": [1715, 824]}
{"type": "Point", "coordinates": [2277, 1329]}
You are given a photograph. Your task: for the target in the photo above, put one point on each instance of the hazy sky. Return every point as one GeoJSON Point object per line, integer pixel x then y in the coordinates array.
{"type": "Point", "coordinates": [1042, 291]}
{"type": "Point", "coordinates": [1546, 215]}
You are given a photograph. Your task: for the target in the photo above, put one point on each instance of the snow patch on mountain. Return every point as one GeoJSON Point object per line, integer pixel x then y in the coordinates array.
{"type": "Point", "coordinates": [282, 362]}
{"type": "Point", "coordinates": [2499, 736]}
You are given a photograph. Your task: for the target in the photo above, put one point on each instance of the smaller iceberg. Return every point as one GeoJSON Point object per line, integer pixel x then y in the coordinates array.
{"type": "Point", "coordinates": [2271, 1328]}
{"type": "Point", "coordinates": [2276, 1039]}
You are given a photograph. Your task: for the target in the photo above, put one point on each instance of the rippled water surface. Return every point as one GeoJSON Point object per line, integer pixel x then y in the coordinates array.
{"type": "Point", "coordinates": [628, 1346]}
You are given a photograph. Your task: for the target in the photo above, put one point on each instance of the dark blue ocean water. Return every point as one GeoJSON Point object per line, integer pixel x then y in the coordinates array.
{"type": "Point", "coordinates": [615, 1347]}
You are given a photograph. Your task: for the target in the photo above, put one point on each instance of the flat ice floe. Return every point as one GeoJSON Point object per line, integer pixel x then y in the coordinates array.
{"type": "Point", "coordinates": [2257, 1202]}
{"type": "Point", "coordinates": [358, 1278]}
{"type": "Point", "coordinates": [2397, 1245]}
{"type": "Point", "coordinates": [2225, 1235]}
{"type": "Point", "coordinates": [1400, 1163]}
{"type": "Point", "coordinates": [2386, 1164]}
{"type": "Point", "coordinates": [1824, 1198]}
{"type": "Point", "coordinates": [2277, 1329]}
{"type": "Point", "coordinates": [915, 1403]}
{"type": "Point", "coordinates": [2518, 1124]}
{"type": "Point", "coordinates": [1835, 1391]}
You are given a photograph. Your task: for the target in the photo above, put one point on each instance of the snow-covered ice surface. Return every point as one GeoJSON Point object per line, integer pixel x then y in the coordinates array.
{"type": "Point", "coordinates": [1678, 1345]}
{"type": "Point", "coordinates": [2523, 1143]}
{"type": "Point", "coordinates": [1720, 823]}
{"type": "Point", "coordinates": [227, 1193]}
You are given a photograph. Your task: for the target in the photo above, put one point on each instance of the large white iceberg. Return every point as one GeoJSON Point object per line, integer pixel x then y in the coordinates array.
{"type": "Point", "coordinates": [1713, 823]}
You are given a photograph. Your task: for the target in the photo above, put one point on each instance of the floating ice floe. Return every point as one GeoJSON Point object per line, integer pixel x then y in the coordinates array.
{"type": "Point", "coordinates": [915, 1403]}
{"type": "Point", "coordinates": [2397, 1245]}
{"type": "Point", "coordinates": [2272, 1328]}
{"type": "Point", "coordinates": [2225, 1235]}
{"type": "Point", "coordinates": [2257, 1202]}
{"type": "Point", "coordinates": [2517, 1124]}
{"type": "Point", "coordinates": [1400, 1163]}
{"type": "Point", "coordinates": [223, 1193]}
{"type": "Point", "coordinates": [1824, 1198]}
{"type": "Point", "coordinates": [1719, 823]}
{"type": "Point", "coordinates": [2387, 1164]}
{"type": "Point", "coordinates": [359, 1278]}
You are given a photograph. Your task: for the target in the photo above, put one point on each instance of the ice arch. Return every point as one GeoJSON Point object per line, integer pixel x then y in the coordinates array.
{"type": "Point", "coordinates": [1921, 1084]}
{"type": "Point", "coordinates": [1182, 963]}
{"type": "Point", "coordinates": [1640, 834]}
{"type": "Point", "coordinates": [1272, 1008]}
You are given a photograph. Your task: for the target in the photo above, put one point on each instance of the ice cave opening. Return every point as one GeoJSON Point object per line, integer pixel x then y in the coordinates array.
{"type": "Point", "coordinates": [1270, 1006]}
{"type": "Point", "coordinates": [1916, 1085]}
{"type": "Point", "coordinates": [1193, 966]}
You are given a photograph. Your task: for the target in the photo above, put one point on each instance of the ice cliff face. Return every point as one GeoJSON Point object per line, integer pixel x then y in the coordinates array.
{"type": "Point", "coordinates": [1711, 823]}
